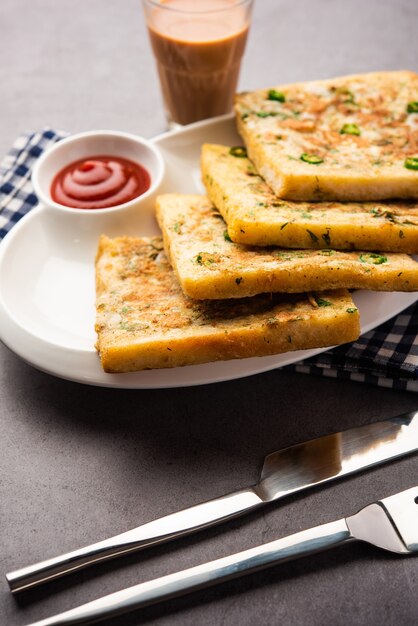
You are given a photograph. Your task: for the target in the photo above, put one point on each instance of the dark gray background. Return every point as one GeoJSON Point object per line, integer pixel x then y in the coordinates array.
{"type": "Point", "coordinates": [80, 463]}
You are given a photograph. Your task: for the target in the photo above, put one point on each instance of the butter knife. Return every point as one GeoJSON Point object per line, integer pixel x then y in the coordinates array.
{"type": "Point", "coordinates": [284, 472]}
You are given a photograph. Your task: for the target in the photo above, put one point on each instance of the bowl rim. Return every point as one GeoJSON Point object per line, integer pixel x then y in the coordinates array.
{"type": "Point", "coordinates": [46, 199]}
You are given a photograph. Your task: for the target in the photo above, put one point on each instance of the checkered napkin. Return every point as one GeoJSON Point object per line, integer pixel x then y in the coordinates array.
{"type": "Point", "coordinates": [386, 356]}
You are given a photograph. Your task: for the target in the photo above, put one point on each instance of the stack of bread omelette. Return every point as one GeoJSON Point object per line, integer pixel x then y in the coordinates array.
{"type": "Point", "coordinates": [322, 198]}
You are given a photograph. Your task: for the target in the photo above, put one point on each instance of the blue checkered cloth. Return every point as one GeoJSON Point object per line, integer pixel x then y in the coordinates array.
{"type": "Point", "coordinates": [386, 356]}
{"type": "Point", "coordinates": [16, 192]}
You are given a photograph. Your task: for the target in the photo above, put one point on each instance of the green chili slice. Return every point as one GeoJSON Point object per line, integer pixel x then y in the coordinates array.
{"type": "Point", "coordinates": [372, 257]}
{"type": "Point", "coordinates": [412, 107]}
{"type": "Point", "coordinates": [278, 96]}
{"type": "Point", "coordinates": [411, 163]}
{"type": "Point", "coordinates": [238, 151]}
{"type": "Point", "coordinates": [266, 114]}
{"type": "Point", "coordinates": [313, 159]}
{"type": "Point", "coordinates": [350, 129]}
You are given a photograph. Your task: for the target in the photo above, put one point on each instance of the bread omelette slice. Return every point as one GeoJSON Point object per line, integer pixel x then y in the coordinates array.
{"type": "Point", "coordinates": [256, 216]}
{"type": "Point", "coordinates": [144, 321]}
{"type": "Point", "coordinates": [349, 138]}
{"type": "Point", "coordinates": [209, 265]}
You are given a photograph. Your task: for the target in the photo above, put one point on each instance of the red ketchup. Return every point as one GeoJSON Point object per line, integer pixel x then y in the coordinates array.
{"type": "Point", "coordinates": [99, 182]}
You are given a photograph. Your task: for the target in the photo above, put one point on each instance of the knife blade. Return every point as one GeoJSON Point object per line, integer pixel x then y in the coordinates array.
{"type": "Point", "coordinates": [284, 472]}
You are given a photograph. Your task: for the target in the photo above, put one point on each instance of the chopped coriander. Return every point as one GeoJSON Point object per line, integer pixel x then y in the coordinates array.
{"type": "Point", "coordinates": [411, 163]}
{"type": "Point", "coordinates": [351, 310]}
{"type": "Point", "coordinates": [226, 236]}
{"type": "Point", "coordinates": [376, 212]}
{"type": "Point", "coordinates": [350, 99]}
{"type": "Point", "coordinates": [204, 258]}
{"type": "Point", "coordinates": [327, 238]}
{"type": "Point", "coordinates": [312, 236]}
{"type": "Point", "coordinates": [323, 302]}
{"type": "Point", "coordinates": [313, 159]}
{"type": "Point", "coordinates": [278, 96]}
{"type": "Point", "coordinates": [412, 107]}
{"type": "Point", "coordinates": [238, 151]}
{"type": "Point", "coordinates": [238, 280]}
{"type": "Point", "coordinates": [350, 129]}
{"type": "Point", "coordinates": [372, 257]}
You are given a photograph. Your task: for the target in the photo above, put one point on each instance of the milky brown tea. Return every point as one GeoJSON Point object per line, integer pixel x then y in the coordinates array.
{"type": "Point", "coordinates": [198, 47]}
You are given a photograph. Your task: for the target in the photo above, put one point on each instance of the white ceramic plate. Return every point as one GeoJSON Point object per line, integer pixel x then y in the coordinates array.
{"type": "Point", "coordinates": [47, 281]}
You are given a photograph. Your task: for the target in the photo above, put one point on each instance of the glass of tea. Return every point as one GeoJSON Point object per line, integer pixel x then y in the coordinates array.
{"type": "Point", "coordinates": [198, 46]}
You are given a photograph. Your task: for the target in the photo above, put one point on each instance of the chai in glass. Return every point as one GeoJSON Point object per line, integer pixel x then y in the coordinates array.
{"type": "Point", "coordinates": [198, 46]}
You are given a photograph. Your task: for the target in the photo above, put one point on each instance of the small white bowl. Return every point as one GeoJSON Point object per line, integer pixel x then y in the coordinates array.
{"type": "Point", "coordinates": [93, 143]}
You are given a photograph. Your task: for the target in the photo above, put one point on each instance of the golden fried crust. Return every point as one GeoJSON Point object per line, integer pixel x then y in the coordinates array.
{"type": "Point", "coordinates": [355, 132]}
{"type": "Point", "coordinates": [256, 216]}
{"type": "Point", "coordinates": [209, 265]}
{"type": "Point", "coordinates": [144, 321]}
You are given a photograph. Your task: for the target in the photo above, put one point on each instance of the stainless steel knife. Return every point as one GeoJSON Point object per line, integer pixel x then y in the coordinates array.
{"type": "Point", "coordinates": [284, 472]}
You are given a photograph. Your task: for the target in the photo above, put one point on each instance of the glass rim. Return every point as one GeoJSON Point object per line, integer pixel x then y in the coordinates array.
{"type": "Point", "coordinates": [161, 5]}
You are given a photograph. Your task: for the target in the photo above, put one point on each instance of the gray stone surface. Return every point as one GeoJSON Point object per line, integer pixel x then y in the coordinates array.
{"type": "Point", "coordinates": [81, 463]}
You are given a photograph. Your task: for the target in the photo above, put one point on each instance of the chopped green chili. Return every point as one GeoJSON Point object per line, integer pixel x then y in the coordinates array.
{"type": "Point", "coordinates": [372, 257]}
{"type": "Point", "coordinates": [313, 159]}
{"type": "Point", "coordinates": [278, 96]}
{"type": "Point", "coordinates": [412, 107]}
{"type": "Point", "coordinates": [238, 151]}
{"type": "Point", "coordinates": [411, 163]}
{"type": "Point", "coordinates": [322, 302]}
{"type": "Point", "coordinates": [266, 114]}
{"type": "Point", "coordinates": [350, 129]}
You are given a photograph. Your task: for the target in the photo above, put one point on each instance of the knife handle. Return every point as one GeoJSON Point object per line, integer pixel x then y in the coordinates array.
{"type": "Point", "coordinates": [160, 530]}
{"type": "Point", "coordinates": [305, 542]}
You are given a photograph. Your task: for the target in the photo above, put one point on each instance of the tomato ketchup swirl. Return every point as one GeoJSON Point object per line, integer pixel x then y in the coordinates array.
{"type": "Point", "coordinates": [99, 182]}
